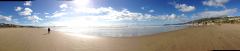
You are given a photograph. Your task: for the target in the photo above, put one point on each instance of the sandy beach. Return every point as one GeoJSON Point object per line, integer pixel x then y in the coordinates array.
{"type": "Point", "coordinates": [204, 38]}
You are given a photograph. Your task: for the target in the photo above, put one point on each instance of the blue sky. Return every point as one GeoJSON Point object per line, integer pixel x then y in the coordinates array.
{"type": "Point", "coordinates": [113, 12]}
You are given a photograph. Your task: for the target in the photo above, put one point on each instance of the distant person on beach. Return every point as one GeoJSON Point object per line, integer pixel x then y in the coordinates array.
{"type": "Point", "coordinates": [49, 30]}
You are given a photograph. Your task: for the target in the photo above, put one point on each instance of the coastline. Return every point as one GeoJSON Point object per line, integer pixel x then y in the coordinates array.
{"type": "Point", "coordinates": [204, 38]}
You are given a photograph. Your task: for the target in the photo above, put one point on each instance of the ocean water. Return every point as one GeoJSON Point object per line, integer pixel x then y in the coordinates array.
{"type": "Point", "coordinates": [119, 31]}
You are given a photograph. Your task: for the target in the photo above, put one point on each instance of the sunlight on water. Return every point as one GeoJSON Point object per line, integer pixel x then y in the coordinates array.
{"type": "Point", "coordinates": [82, 35]}
{"type": "Point", "coordinates": [117, 31]}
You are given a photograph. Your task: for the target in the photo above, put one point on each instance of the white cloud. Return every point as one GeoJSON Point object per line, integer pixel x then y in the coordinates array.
{"type": "Point", "coordinates": [225, 12]}
{"type": "Point", "coordinates": [26, 12]}
{"type": "Point", "coordinates": [167, 17]}
{"type": "Point", "coordinates": [110, 14]}
{"type": "Point", "coordinates": [87, 16]}
{"type": "Point", "coordinates": [151, 11]}
{"type": "Point", "coordinates": [15, 21]}
{"type": "Point", "coordinates": [58, 14]}
{"type": "Point", "coordinates": [184, 7]}
{"type": "Point", "coordinates": [142, 8]}
{"type": "Point", "coordinates": [5, 18]}
{"type": "Point", "coordinates": [63, 6]}
{"type": "Point", "coordinates": [46, 13]}
{"type": "Point", "coordinates": [215, 3]}
{"type": "Point", "coordinates": [94, 10]}
{"type": "Point", "coordinates": [18, 8]}
{"type": "Point", "coordinates": [27, 3]}
{"type": "Point", "coordinates": [172, 16]}
{"type": "Point", "coordinates": [34, 18]}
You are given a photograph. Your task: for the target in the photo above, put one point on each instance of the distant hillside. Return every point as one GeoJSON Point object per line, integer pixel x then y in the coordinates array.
{"type": "Point", "coordinates": [216, 20]}
{"type": "Point", "coordinates": [213, 20]}
{"type": "Point", "coordinates": [8, 25]}
{"type": "Point", "coordinates": [4, 25]}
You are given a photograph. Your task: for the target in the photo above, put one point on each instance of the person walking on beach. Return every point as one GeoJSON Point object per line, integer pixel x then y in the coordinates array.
{"type": "Point", "coordinates": [49, 30]}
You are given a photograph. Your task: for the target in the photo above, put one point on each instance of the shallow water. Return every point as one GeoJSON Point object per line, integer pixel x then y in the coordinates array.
{"type": "Point", "coordinates": [119, 31]}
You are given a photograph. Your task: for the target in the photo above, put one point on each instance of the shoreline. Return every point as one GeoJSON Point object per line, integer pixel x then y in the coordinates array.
{"type": "Point", "coordinates": [224, 37]}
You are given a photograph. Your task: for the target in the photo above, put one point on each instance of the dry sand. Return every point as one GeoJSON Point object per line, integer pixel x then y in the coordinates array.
{"type": "Point", "coordinates": [204, 38]}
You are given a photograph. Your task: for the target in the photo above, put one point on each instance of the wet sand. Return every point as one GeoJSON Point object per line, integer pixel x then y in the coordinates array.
{"type": "Point", "coordinates": [204, 38]}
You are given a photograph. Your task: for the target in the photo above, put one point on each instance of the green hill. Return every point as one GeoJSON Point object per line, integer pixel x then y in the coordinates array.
{"type": "Point", "coordinates": [216, 20]}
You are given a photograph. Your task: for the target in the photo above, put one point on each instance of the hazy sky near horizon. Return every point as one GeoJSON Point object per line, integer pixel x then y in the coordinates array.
{"type": "Point", "coordinates": [113, 12]}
